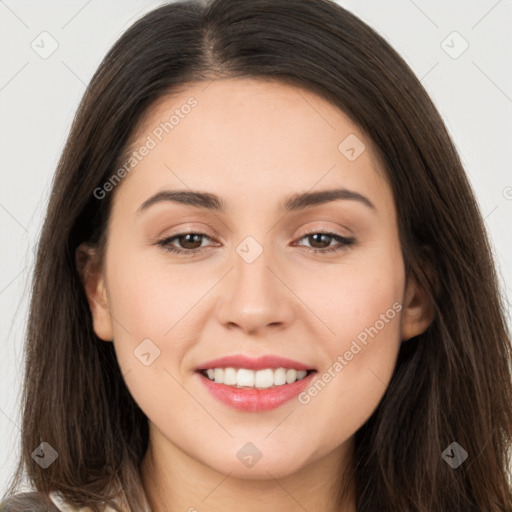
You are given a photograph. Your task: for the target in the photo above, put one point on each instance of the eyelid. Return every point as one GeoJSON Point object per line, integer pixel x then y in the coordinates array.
{"type": "Point", "coordinates": [186, 229]}
{"type": "Point", "coordinates": [326, 230]}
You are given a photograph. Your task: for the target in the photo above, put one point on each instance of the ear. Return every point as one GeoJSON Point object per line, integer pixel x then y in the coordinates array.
{"type": "Point", "coordinates": [93, 282]}
{"type": "Point", "coordinates": [418, 312]}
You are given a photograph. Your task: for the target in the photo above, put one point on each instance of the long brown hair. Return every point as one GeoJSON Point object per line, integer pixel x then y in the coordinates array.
{"type": "Point", "coordinates": [452, 383]}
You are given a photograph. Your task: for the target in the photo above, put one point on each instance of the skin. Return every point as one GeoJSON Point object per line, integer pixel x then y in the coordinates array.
{"type": "Point", "coordinates": [241, 137]}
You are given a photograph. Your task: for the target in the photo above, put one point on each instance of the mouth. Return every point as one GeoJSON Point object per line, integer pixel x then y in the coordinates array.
{"type": "Point", "coordinates": [245, 378]}
{"type": "Point", "coordinates": [255, 391]}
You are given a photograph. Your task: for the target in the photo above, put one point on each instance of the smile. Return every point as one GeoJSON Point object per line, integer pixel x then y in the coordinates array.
{"type": "Point", "coordinates": [251, 396]}
{"type": "Point", "coordinates": [261, 379]}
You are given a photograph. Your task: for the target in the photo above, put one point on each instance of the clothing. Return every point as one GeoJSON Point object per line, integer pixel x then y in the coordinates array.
{"type": "Point", "coordinates": [36, 501]}
{"type": "Point", "coordinates": [65, 506]}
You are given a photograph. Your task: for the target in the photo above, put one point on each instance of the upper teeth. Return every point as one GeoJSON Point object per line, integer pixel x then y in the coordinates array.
{"type": "Point", "coordinates": [259, 379]}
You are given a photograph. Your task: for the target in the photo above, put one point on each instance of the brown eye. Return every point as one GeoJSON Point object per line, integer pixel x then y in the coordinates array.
{"type": "Point", "coordinates": [320, 242]}
{"type": "Point", "coordinates": [189, 243]}
{"type": "Point", "coordinates": [190, 240]}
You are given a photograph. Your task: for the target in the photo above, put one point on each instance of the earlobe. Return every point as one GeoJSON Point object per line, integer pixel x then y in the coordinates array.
{"type": "Point", "coordinates": [93, 282]}
{"type": "Point", "coordinates": [418, 311]}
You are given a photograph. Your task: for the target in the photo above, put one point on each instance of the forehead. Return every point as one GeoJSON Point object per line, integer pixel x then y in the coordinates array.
{"type": "Point", "coordinates": [250, 138]}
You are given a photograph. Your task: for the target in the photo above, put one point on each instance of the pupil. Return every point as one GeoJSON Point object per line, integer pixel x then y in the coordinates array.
{"type": "Point", "coordinates": [316, 235]}
{"type": "Point", "coordinates": [188, 241]}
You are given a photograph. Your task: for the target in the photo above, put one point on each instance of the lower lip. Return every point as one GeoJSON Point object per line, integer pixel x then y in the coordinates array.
{"type": "Point", "coordinates": [255, 400]}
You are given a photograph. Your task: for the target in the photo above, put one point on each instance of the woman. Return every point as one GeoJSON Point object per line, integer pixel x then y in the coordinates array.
{"type": "Point", "coordinates": [366, 368]}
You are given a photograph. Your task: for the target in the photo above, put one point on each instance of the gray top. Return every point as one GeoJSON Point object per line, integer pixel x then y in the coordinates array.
{"type": "Point", "coordinates": [34, 501]}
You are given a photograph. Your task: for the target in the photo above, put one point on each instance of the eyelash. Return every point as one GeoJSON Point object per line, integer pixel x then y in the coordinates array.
{"type": "Point", "coordinates": [346, 242]}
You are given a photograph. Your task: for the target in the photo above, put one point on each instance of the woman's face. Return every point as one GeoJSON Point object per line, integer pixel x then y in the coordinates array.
{"type": "Point", "coordinates": [248, 283]}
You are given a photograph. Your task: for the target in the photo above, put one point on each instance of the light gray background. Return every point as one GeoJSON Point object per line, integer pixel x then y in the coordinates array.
{"type": "Point", "coordinates": [38, 98]}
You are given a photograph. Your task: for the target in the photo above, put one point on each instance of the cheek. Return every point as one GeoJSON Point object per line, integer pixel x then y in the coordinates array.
{"type": "Point", "coordinates": [151, 297]}
{"type": "Point", "coordinates": [364, 312]}
{"type": "Point", "coordinates": [351, 296]}
{"type": "Point", "coordinates": [152, 332]}
{"type": "Point", "coordinates": [361, 361]}
{"type": "Point", "coordinates": [363, 303]}
{"type": "Point", "coordinates": [366, 339]}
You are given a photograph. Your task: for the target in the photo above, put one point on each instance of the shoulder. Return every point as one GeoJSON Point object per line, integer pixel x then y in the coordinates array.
{"type": "Point", "coordinates": [65, 506]}
{"type": "Point", "coordinates": [35, 501]}
{"type": "Point", "coordinates": [30, 501]}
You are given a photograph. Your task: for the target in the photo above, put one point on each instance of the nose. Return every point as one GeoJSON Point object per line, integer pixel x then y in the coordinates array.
{"type": "Point", "coordinates": [255, 297]}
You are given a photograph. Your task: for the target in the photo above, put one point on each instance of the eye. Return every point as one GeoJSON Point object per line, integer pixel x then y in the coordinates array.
{"type": "Point", "coordinates": [191, 242]}
{"type": "Point", "coordinates": [323, 238]}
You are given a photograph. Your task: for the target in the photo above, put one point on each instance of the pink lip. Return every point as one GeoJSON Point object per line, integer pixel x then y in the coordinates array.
{"type": "Point", "coordinates": [260, 363]}
{"type": "Point", "coordinates": [252, 399]}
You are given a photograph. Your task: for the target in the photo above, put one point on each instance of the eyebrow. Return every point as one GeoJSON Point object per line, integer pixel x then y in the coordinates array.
{"type": "Point", "coordinates": [292, 203]}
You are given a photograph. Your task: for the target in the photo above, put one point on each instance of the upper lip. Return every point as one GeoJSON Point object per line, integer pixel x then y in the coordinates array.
{"type": "Point", "coordinates": [251, 363]}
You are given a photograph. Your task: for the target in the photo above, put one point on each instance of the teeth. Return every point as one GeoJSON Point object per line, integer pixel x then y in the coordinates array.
{"type": "Point", "coordinates": [280, 376]}
{"type": "Point", "coordinates": [264, 378]}
{"type": "Point", "coordinates": [243, 378]}
{"type": "Point", "coordinates": [291, 376]}
{"type": "Point", "coordinates": [230, 376]}
{"type": "Point", "coordinates": [260, 379]}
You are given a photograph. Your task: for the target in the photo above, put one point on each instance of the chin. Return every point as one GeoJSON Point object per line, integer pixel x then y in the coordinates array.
{"type": "Point", "coordinates": [261, 466]}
